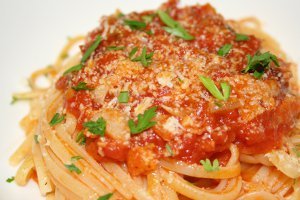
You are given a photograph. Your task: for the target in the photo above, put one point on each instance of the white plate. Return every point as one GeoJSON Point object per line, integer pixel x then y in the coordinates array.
{"type": "Point", "coordinates": [33, 31]}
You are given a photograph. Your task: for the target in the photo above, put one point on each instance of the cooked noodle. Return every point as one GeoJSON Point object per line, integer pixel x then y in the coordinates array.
{"type": "Point", "coordinates": [46, 151]}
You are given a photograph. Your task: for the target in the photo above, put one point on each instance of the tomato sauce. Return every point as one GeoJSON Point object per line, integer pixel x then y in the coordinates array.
{"type": "Point", "coordinates": [212, 131]}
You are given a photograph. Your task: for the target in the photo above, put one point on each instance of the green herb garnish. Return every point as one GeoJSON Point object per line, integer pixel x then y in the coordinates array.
{"type": "Point", "coordinates": [149, 32]}
{"type": "Point", "coordinates": [241, 37]}
{"type": "Point", "coordinates": [73, 168]}
{"type": "Point", "coordinates": [14, 100]}
{"type": "Point", "coordinates": [56, 119]}
{"type": "Point", "coordinates": [81, 86]}
{"type": "Point", "coordinates": [135, 25]}
{"type": "Point", "coordinates": [85, 56]}
{"type": "Point", "coordinates": [75, 158]}
{"type": "Point", "coordinates": [11, 179]}
{"type": "Point", "coordinates": [115, 48]}
{"type": "Point", "coordinates": [173, 27]}
{"type": "Point", "coordinates": [36, 139]}
{"type": "Point", "coordinates": [91, 49]}
{"type": "Point", "coordinates": [259, 63]}
{"type": "Point", "coordinates": [213, 89]}
{"type": "Point", "coordinates": [148, 18]}
{"type": "Point", "coordinates": [144, 121]}
{"type": "Point", "coordinates": [75, 68]}
{"type": "Point", "coordinates": [105, 197]}
{"type": "Point", "coordinates": [169, 149]}
{"type": "Point", "coordinates": [96, 127]}
{"type": "Point", "coordinates": [144, 58]}
{"type": "Point", "coordinates": [81, 139]}
{"type": "Point", "coordinates": [123, 97]}
{"type": "Point", "coordinates": [224, 50]}
{"type": "Point", "coordinates": [210, 167]}
{"type": "Point", "coordinates": [64, 56]}
{"type": "Point", "coordinates": [132, 52]}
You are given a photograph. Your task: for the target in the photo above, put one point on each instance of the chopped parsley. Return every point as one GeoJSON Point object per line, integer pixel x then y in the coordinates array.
{"type": "Point", "coordinates": [144, 58]}
{"type": "Point", "coordinates": [259, 63]}
{"type": "Point", "coordinates": [169, 149]}
{"type": "Point", "coordinates": [115, 48]}
{"type": "Point", "coordinates": [91, 49]}
{"type": "Point", "coordinates": [81, 86]}
{"type": "Point", "coordinates": [81, 139]}
{"type": "Point", "coordinates": [75, 68]}
{"type": "Point", "coordinates": [105, 197]}
{"type": "Point", "coordinates": [135, 25]}
{"type": "Point", "coordinates": [224, 50]}
{"type": "Point", "coordinates": [144, 121]}
{"type": "Point", "coordinates": [56, 119]}
{"type": "Point", "coordinates": [85, 56]}
{"type": "Point", "coordinates": [213, 89]}
{"type": "Point", "coordinates": [36, 139]}
{"type": "Point", "coordinates": [75, 158]}
{"type": "Point", "coordinates": [73, 168]}
{"type": "Point", "coordinates": [96, 127]}
{"type": "Point", "coordinates": [64, 56]}
{"type": "Point", "coordinates": [148, 18]}
{"type": "Point", "coordinates": [123, 97]}
{"type": "Point", "coordinates": [132, 52]}
{"type": "Point", "coordinates": [241, 37]}
{"type": "Point", "coordinates": [173, 27]}
{"type": "Point", "coordinates": [149, 32]}
{"type": "Point", "coordinates": [11, 179]}
{"type": "Point", "coordinates": [121, 15]}
{"type": "Point", "coordinates": [210, 167]}
{"type": "Point", "coordinates": [14, 100]}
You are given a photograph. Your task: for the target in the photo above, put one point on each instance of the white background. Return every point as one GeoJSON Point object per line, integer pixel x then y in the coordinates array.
{"type": "Point", "coordinates": [33, 31]}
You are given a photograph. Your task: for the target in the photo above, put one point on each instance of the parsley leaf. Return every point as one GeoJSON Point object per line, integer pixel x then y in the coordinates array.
{"type": "Point", "coordinates": [115, 48]}
{"type": "Point", "coordinates": [96, 127]}
{"type": "Point", "coordinates": [210, 167]}
{"type": "Point", "coordinates": [174, 27]}
{"type": "Point", "coordinates": [144, 121]}
{"type": "Point", "coordinates": [14, 100]}
{"type": "Point", "coordinates": [36, 139]}
{"type": "Point", "coordinates": [148, 18]}
{"type": "Point", "coordinates": [224, 50]}
{"type": "Point", "coordinates": [149, 32]}
{"type": "Point", "coordinates": [169, 149]}
{"type": "Point", "coordinates": [17, 99]}
{"type": "Point", "coordinates": [91, 49]}
{"type": "Point", "coordinates": [144, 58]}
{"type": "Point", "coordinates": [75, 68]}
{"type": "Point", "coordinates": [213, 89]}
{"type": "Point", "coordinates": [75, 158]}
{"type": "Point", "coordinates": [259, 63]}
{"type": "Point", "coordinates": [81, 86]}
{"type": "Point", "coordinates": [81, 139]}
{"type": "Point", "coordinates": [85, 56]}
{"type": "Point", "coordinates": [57, 118]}
{"type": "Point", "coordinates": [73, 168]}
{"type": "Point", "coordinates": [11, 179]}
{"type": "Point", "coordinates": [105, 197]}
{"type": "Point", "coordinates": [135, 25]}
{"type": "Point", "coordinates": [123, 97]}
{"type": "Point", "coordinates": [241, 37]}
{"type": "Point", "coordinates": [132, 52]}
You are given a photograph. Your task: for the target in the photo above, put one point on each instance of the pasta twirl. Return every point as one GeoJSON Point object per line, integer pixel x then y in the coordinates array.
{"type": "Point", "coordinates": [175, 103]}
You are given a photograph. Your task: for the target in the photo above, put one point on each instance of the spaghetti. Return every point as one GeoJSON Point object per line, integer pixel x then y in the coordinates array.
{"type": "Point", "coordinates": [170, 104]}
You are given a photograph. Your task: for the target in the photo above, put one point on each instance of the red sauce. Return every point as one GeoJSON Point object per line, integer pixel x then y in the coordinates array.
{"type": "Point", "coordinates": [261, 134]}
{"type": "Point", "coordinates": [116, 151]}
